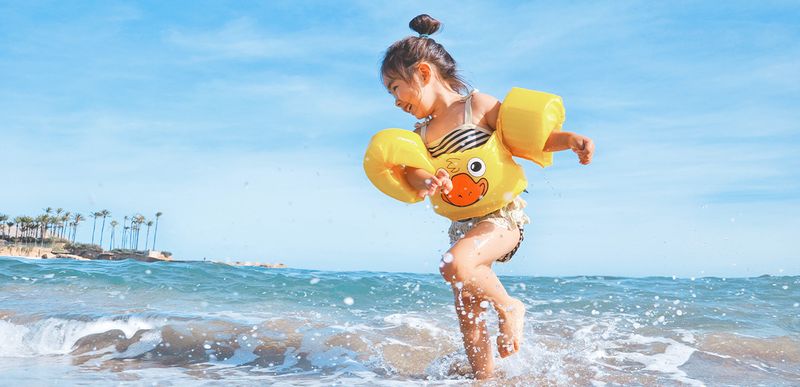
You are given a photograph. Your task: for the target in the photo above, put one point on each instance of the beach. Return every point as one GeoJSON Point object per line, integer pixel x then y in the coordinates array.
{"type": "Point", "coordinates": [203, 322]}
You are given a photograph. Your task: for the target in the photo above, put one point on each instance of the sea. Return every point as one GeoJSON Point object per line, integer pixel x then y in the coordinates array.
{"type": "Point", "coordinates": [67, 322]}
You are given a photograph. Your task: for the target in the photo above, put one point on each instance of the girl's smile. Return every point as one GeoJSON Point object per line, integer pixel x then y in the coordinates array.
{"type": "Point", "coordinates": [406, 97]}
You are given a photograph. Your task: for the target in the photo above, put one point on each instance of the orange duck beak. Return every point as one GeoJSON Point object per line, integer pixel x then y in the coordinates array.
{"type": "Point", "coordinates": [465, 191]}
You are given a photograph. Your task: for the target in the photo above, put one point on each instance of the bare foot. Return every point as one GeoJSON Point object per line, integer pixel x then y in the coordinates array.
{"type": "Point", "coordinates": [512, 320]}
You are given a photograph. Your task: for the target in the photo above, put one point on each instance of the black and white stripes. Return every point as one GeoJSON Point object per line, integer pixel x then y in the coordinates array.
{"type": "Point", "coordinates": [459, 140]}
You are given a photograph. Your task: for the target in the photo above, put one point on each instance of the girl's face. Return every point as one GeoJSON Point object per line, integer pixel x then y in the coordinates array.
{"type": "Point", "coordinates": [410, 96]}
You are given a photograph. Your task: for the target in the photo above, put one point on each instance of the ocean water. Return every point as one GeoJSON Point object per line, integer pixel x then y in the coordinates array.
{"type": "Point", "coordinates": [107, 322]}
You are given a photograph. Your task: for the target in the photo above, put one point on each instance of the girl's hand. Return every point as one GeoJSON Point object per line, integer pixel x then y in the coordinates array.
{"type": "Point", "coordinates": [583, 147]}
{"type": "Point", "coordinates": [439, 181]}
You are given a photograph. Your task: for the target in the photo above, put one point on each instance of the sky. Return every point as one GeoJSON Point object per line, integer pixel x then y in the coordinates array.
{"type": "Point", "coordinates": [246, 122]}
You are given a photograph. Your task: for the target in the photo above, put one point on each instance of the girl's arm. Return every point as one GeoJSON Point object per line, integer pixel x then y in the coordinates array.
{"type": "Point", "coordinates": [425, 183]}
{"type": "Point", "coordinates": [582, 146]}
{"type": "Point", "coordinates": [487, 109]}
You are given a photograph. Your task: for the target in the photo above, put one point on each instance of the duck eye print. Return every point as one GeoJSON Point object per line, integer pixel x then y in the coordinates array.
{"type": "Point", "coordinates": [476, 167]}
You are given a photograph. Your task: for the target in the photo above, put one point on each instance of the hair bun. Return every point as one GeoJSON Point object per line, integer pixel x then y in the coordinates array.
{"type": "Point", "coordinates": [424, 24]}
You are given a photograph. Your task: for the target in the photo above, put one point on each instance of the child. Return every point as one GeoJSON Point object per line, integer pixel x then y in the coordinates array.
{"type": "Point", "coordinates": [422, 77]}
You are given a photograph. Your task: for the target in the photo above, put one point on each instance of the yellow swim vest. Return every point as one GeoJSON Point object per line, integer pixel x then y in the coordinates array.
{"type": "Point", "coordinates": [485, 178]}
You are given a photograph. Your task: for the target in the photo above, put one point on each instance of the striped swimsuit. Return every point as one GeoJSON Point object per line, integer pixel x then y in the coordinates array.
{"type": "Point", "coordinates": [464, 137]}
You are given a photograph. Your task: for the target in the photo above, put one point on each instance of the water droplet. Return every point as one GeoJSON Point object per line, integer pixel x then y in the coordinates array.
{"type": "Point", "coordinates": [595, 312]}
{"type": "Point", "coordinates": [679, 312]}
{"type": "Point", "coordinates": [148, 271]}
{"type": "Point", "coordinates": [459, 285]}
{"type": "Point", "coordinates": [348, 301]}
{"type": "Point", "coordinates": [206, 346]}
{"type": "Point", "coordinates": [485, 304]}
{"type": "Point", "coordinates": [447, 257]}
{"type": "Point", "coordinates": [314, 281]}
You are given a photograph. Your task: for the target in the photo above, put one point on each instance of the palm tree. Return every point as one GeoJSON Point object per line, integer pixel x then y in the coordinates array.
{"type": "Point", "coordinates": [124, 231]}
{"type": "Point", "coordinates": [64, 221]}
{"type": "Point", "coordinates": [10, 224]}
{"type": "Point", "coordinates": [48, 211]}
{"type": "Point", "coordinates": [104, 213]}
{"type": "Point", "coordinates": [77, 219]}
{"type": "Point", "coordinates": [158, 215]}
{"type": "Point", "coordinates": [17, 222]}
{"type": "Point", "coordinates": [147, 238]}
{"type": "Point", "coordinates": [57, 218]}
{"type": "Point", "coordinates": [131, 232]}
{"type": "Point", "coordinates": [24, 224]}
{"type": "Point", "coordinates": [95, 215]}
{"type": "Point", "coordinates": [3, 219]}
{"type": "Point", "coordinates": [41, 229]}
{"type": "Point", "coordinates": [114, 224]}
{"type": "Point", "coordinates": [137, 221]}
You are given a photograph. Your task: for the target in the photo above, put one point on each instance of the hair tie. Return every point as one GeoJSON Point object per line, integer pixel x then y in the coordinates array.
{"type": "Point", "coordinates": [424, 35]}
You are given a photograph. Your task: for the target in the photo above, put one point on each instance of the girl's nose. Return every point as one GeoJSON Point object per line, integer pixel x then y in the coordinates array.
{"type": "Point", "coordinates": [397, 103]}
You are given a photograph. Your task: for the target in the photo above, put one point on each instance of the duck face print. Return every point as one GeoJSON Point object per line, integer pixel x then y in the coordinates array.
{"type": "Point", "coordinates": [469, 187]}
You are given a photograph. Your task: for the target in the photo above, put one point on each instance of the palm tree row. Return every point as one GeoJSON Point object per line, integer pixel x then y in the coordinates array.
{"type": "Point", "coordinates": [63, 225]}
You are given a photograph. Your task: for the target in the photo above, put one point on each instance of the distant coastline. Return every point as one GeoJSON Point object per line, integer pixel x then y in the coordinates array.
{"type": "Point", "coordinates": [79, 252]}
{"type": "Point", "coordinates": [53, 234]}
{"type": "Point", "coordinates": [93, 252]}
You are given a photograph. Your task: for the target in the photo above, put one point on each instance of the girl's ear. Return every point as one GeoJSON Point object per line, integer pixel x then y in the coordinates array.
{"type": "Point", "coordinates": [424, 72]}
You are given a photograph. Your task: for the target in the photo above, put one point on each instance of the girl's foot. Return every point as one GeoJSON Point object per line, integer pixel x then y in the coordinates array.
{"type": "Point", "coordinates": [512, 320]}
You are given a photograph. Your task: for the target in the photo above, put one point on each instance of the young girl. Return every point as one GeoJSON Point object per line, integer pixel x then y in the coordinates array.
{"type": "Point", "coordinates": [422, 77]}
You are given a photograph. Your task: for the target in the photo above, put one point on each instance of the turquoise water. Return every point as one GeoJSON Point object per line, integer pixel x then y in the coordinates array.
{"type": "Point", "coordinates": [181, 323]}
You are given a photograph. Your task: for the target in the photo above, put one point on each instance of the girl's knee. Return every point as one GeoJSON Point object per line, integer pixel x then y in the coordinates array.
{"type": "Point", "coordinates": [456, 267]}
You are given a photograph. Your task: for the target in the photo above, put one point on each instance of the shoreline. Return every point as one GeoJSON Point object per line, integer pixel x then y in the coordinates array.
{"type": "Point", "coordinates": [38, 253]}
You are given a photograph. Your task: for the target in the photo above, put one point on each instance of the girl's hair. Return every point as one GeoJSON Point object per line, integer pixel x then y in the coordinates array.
{"type": "Point", "coordinates": [402, 55]}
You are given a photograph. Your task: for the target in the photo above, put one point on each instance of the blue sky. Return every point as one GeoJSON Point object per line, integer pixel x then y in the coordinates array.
{"type": "Point", "coordinates": [246, 122]}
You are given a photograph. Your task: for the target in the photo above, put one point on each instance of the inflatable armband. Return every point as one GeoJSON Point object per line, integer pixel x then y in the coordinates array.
{"type": "Point", "coordinates": [388, 154]}
{"type": "Point", "coordinates": [526, 119]}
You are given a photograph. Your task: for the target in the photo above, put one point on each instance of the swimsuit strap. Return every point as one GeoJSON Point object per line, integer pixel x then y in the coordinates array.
{"type": "Point", "coordinates": [422, 129]}
{"type": "Point", "coordinates": [467, 116]}
{"type": "Point", "coordinates": [468, 107]}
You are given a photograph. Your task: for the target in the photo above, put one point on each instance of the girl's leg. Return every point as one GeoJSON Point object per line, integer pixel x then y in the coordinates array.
{"type": "Point", "coordinates": [474, 334]}
{"type": "Point", "coordinates": [473, 281]}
